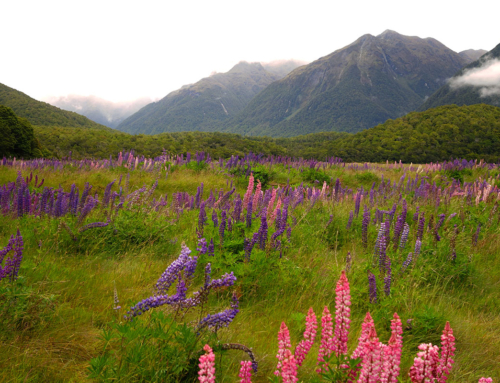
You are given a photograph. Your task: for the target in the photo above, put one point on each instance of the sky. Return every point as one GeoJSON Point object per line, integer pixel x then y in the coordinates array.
{"type": "Point", "coordinates": [123, 50]}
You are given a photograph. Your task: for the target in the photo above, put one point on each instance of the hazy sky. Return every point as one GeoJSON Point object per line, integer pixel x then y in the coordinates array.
{"type": "Point", "coordinates": [121, 50]}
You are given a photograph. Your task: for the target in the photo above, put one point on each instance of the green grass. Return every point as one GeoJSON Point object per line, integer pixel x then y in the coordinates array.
{"type": "Point", "coordinates": [52, 321]}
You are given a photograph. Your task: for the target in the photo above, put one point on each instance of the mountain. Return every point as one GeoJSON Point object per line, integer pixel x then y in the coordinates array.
{"type": "Point", "coordinates": [102, 111]}
{"type": "Point", "coordinates": [202, 106]}
{"type": "Point", "coordinates": [476, 83]}
{"type": "Point", "coordinates": [471, 55]}
{"type": "Point", "coordinates": [353, 88]}
{"type": "Point", "coordinates": [40, 113]}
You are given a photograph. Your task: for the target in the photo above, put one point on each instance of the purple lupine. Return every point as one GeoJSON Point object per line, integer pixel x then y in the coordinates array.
{"type": "Point", "coordinates": [202, 218]}
{"type": "Point", "coordinates": [364, 227]}
{"type": "Point", "coordinates": [238, 204]}
{"type": "Point", "coordinates": [222, 319]}
{"type": "Point", "coordinates": [388, 277]}
{"type": "Point", "coordinates": [404, 236]}
{"type": "Point", "coordinates": [406, 263]}
{"type": "Point", "coordinates": [249, 244]}
{"type": "Point", "coordinates": [421, 225]}
{"type": "Point", "coordinates": [329, 221]}
{"type": "Point", "coordinates": [418, 246]}
{"type": "Point", "coordinates": [415, 216]}
{"type": "Point", "coordinates": [249, 213]}
{"type": "Point", "coordinates": [263, 231]}
{"type": "Point", "coordinates": [202, 246]}
{"type": "Point", "coordinates": [382, 248]}
{"type": "Point", "coordinates": [211, 248]}
{"type": "Point", "coordinates": [357, 203]}
{"type": "Point", "coordinates": [215, 220]}
{"type": "Point", "coordinates": [453, 241]}
{"type": "Point", "coordinates": [222, 226]}
{"type": "Point", "coordinates": [171, 274]}
{"type": "Point", "coordinates": [12, 264]}
{"type": "Point", "coordinates": [208, 272]}
{"type": "Point", "coordinates": [372, 283]}
{"type": "Point", "coordinates": [93, 225]}
{"type": "Point", "coordinates": [107, 194]}
{"type": "Point", "coordinates": [437, 237]}
{"type": "Point", "coordinates": [349, 222]}
{"type": "Point", "coordinates": [398, 229]}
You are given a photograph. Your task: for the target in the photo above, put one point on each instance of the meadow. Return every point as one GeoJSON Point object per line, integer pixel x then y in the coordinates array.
{"type": "Point", "coordinates": [123, 269]}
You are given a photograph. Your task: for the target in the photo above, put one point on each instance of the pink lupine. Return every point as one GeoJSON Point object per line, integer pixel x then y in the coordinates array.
{"type": "Point", "coordinates": [425, 365]}
{"type": "Point", "coordinates": [372, 359]}
{"type": "Point", "coordinates": [246, 372]}
{"type": "Point", "coordinates": [392, 353]}
{"type": "Point", "coordinates": [207, 366]}
{"type": "Point", "coordinates": [342, 315]}
{"type": "Point", "coordinates": [366, 327]}
{"type": "Point", "coordinates": [275, 213]}
{"type": "Point", "coordinates": [326, 346]}
{"type": "Point", "coordinates": [305, 345]}
{"type": "Point", "coordinates": [485, 380]}
{"type": "Point", "coordinates": [447, 353]}
{"type": "Point", "coordinates": [289, 370]}
{"type": "Point", "coordinates": [257, 197]}
{"type": "Point", "coordinates": [271, 203]}
{"type": "Point", "coordinates": [284, 345]}
{"type": "Point", "coordinates": [249, 192]}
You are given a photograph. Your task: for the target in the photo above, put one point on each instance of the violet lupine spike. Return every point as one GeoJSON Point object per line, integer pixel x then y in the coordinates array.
{"type": "Point", "coordinates": [404, 236]}
{"type": "Point", "coordinates": [202, 218]}
{"type": "Point", "coordinates": [208, 272]}
{"type": "Point", "coordinates": [382, 249]}
{"type": "Point", "coordinates": [437, 237]}
{"type": "Point", "coordinates": [222, 226]}
{"type": "Point", "coordinates": [263, 231]}
{"type": "Point", "coordinates": [406, 263]}
{"type": "Point", "coordinates": [93, 225]}
{"type": "Point", "coordinates": [222, 319]}
{"type": "Point", "coordinates": [202, 246]}
{"type": "Point", "coordinates": [421, 225]}
{"type": "Point", "coordinates": [372, 283]}
{"type": "Point", "coordinates": [418, 246]}
{"type": "Point", "coordinates": [249, 214]}
{"type": "Point", "coordinates": [349, 222]}
{"type": "Point", "coordinates": [215, 219]}
{"type": "Point", "coordinates": [476, 236]}
{"type": "Point", "coordinates": [211, 248]}
{"type": "Point", "coordinates": [364, 227]}
{"type": "Point", "coordinates": [171, 274]}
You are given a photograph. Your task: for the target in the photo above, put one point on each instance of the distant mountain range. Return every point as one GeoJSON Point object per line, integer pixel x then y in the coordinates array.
{"type": "Point", "coordinates": [102, 111]}
{"type": "Point", "coordinates": [205, 105]}
{"type": "Point", "coordinates": [354, 88]}
{"type": "Point", "coordinates": [40, 113]}
{"type": "Point", "coordinates": [476, 83]}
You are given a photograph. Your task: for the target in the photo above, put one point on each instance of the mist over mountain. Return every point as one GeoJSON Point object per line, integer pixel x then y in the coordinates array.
{"type": "Point", "coordinates": [476, 83]}
{"type": "Point", "coordinates": [102, 111]}
{"type": "Point", "coordinates": [281, 68]}
{"type": "Point", "coordinates": [41, 113]}
{"type": "Point", "coordinates": [354, 88]}
{"type": "Point", "coordinates": [202, 106]}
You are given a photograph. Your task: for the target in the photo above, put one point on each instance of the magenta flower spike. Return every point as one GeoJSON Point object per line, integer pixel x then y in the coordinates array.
{"type": "Point", "coordinates": [366, 327]}
{"type": "Point", "coordinates": [447, 353]}
{"type": "Point", "coordinates": [289, 371]}
{"type": "Point", "coordinates": [246, 372]}
{"type": "Point", "coordinates": [485, 380]}
{"type": "Point", "coordinates": [248, 194]}
{"type": "Point", "coordinates": [305, 345]}
{"type": "Point", "coordinates": [425, 365]}
{"type": "Point", "coordinates": [257, 197]}
{"type": "Point", "coordinates": [284, 345]}
{"type": "Point", "coordinates": [271, 203]}
{"type": "Point", "coordinates": [206, 374]}
{"type": "Point", "coordinates": [372, 359]}
{"type": "Point", "coordinates": [326, 346]}
{"type": "Point", "coordinates": [342, 315]}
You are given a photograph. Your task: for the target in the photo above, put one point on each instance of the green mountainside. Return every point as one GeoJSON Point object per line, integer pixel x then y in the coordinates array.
{"type": "Point", "coordinates": [354, 88]}
{"type": "Point", "coordinates": [472, 54]}
{"type": "Point", "coordinates": [443, 133]}
{"type": "Point", "coordinates": [102, 111]}
{"type": "Point", "coordinates": [41, 113]}
{"type": "Point", "coordinates": [464, 95]}
{"type": "Point", "coordinates": [202, 106]}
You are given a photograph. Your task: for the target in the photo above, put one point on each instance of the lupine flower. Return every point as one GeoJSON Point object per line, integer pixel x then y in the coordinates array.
{"type": "Point", "coordinates": [249, 192]}
{"type": "Point", "coordinates": [93, 225]}
{"type": "Point", "coordinates": [284, 345]}
{"type": "Point", "coordinates": [305, 345]}
{"type": "Point", "coordinates": [257, 197]}
{"type": "Point", "coordinates": [249, 214]}
{"type": "Point", "coordinates": [342, 315]}
{"type": "Point", "coordinates": [373, 287]}
{"type": "Point", "coordinates": [364, 227]}
{"type": "Point", "coordinates": [392, 353]}
{"type": "Point", "coordinates": [453, 241]}
{"type": "Point", "coordinates": [271, 203]}
{"type": "Point", "coordinates": [382, 246]}
{"type": "Point", "coordinates": [222, 226]}
{"type": "Point", "coordinates": [421, 225]}
{"type": "Point", "coordinates": [171, 274]}
{"type": "Point", "coordinates": [202, 218]}
{"type": "Point", "coordinates": [476, 235]}
{"type": "Point", "coordinates": [206, 373]}
{"type": "Point", "coordinates": [211, 248]}
{"type": "Point", "coordinates": [372, 359]}
{"type": "Point", "coordinates": [437, 237]}
{"type": "Point", "coordinates": [246, 372]}
{"type": "Point", "coordinates": [485, 380]}
{"type": "Point", "coordinates": [425, 365]}
{"type": "Point", "coordinates": [289, 369]}
{"type": "Point", "coordinates": [404, 236]}
{"type": "Point", "coordinates": [366, 327]}
{"type": "Point", "coordinates": [418, 246]}
{"type": "Point", "coordinates": [447, 353]}
{"type": "Point", "coordinates": [263, 231]}
{"type": "Point", "coordinates": [326, 346]}
{"type": "Point", "coordinates": [406, 263]}
{"type": "Point", "coordinates": [222, 319]}
{"type": "Point", "coordinates": [215, 220]}
{"type": "Point", "coordinates": [349, 222]}
{"type": "Point", "coordinates": [202, 246]}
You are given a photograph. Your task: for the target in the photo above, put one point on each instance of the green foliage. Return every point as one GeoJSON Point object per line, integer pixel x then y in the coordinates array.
{"type": "Point", "coordinates": [18, 138]}
{"type": "Point", "coordinates": [314, 175]}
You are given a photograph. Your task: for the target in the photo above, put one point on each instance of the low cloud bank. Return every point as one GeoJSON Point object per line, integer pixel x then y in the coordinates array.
{"type": "Point", "coordinates": [487, 77]}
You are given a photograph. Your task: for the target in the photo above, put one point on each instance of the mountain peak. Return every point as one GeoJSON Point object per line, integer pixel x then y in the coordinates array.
{"type": "Point", "coordinates": [389, 34]}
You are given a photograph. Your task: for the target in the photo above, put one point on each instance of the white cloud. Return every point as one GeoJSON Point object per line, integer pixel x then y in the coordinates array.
{"type": "Point", "coordinates": [487, 77]}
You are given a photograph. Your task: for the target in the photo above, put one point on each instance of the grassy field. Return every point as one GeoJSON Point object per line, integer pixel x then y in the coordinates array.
{"type": "Point", "coordinates": [60, 322]}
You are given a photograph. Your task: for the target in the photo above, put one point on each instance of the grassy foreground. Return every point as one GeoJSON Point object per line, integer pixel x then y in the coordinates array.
{"type": "Point", "coordinates": [60, 322]}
